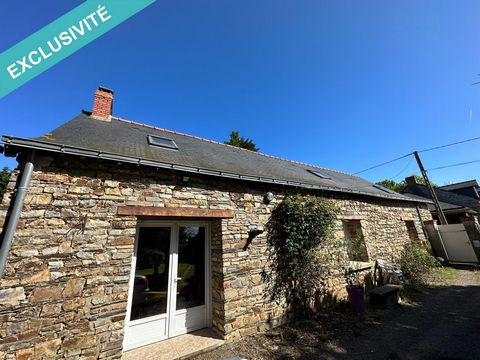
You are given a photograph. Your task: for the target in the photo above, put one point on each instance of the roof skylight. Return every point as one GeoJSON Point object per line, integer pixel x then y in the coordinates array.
{"type": "Point", "coordinates": [379, 187]}
{"type": "Point", "coordinates": [162, 142]}
{"type": "Point", "coordinates": [319, 174]}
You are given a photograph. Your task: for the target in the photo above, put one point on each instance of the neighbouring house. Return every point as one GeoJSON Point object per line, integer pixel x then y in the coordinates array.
{"type": "Point", "coordinates": [468, 188]}
{"type": "Point", "coordinates": [458, 201]}
{"type": "Point", "coordinates": [129, 234]}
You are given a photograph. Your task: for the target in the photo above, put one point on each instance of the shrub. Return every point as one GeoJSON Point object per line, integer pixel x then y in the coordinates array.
{"type": "Point", "coordinates": [416, 263]}
{"type": "Point", "coordinates": [296, 229]}
{"type": "Point", "coordinates": [4, 176]}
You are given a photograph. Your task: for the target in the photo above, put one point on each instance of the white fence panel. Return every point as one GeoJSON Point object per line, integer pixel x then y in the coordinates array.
{"type": "Point", "coordinates": [457, 243]}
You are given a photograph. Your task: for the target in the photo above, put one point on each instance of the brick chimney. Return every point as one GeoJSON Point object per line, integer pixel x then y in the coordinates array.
{"type": "Point", "coordinates": [103, 104]}
{"type": "Point", "coordinates": [411, 181]}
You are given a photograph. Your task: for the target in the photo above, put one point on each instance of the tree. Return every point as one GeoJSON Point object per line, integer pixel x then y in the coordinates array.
{"type": "Point", "coordinates": [4, 176]}
{"type": "Point", "coordinates": [241, 142]}
{"type": "Point", "coordinates": [402, 185]}
{"type": "Point", "coordinates": [393, 185]}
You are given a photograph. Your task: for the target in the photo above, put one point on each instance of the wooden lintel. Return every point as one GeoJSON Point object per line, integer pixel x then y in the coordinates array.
{"type": "Point", "coordinates": [407, 218]}
{"type": "Point", "coordinates": [174, 212]}
{"type": "Point", "coordinates": [351, 217]}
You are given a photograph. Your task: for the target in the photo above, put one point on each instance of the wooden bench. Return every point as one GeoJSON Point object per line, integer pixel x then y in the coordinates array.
{"type": "Point", "coordinates": [386, 295]}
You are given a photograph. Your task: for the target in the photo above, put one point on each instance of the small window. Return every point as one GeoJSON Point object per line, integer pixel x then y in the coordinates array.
{"type": "Point", "coordinates": [319, 174]}
{"type": "Point", "coordinates": [355, 242]}
{"type": "Point", "coordinates": [412, 230]}
{"type": "Point", "coordinates": [162, 142]}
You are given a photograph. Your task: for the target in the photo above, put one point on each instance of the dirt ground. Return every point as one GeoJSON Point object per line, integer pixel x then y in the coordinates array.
{"type": "Point", "coordinates": [438, 322]}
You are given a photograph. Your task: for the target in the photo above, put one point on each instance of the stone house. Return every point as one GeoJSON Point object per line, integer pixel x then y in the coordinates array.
{"type": "Point", "coordinates": [118, 234]}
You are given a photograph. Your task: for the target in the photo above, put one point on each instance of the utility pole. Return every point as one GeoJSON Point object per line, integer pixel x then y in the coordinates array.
{"type": "Point", "coordinates": [441, 215]}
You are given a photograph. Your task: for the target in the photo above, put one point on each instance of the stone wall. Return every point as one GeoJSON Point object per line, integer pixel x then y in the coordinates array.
{"type": "Point", "coordinates": [247, 305]}
{"type": "Point", "coordinates": [65, 289]}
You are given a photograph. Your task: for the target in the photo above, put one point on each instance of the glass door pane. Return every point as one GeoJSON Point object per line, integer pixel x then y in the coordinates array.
{"type": "Point", "coordinates": [191, 267]}
{"type": "Point", "coordinates": [150, 290]}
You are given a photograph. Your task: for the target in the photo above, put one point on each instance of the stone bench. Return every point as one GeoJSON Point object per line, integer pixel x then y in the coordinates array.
{"type": "Point", "coordinates": [386, 295]}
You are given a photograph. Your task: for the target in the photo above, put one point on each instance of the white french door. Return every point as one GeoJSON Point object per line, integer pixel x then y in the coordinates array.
{"type": "Point", "coordinates": [170, 283]}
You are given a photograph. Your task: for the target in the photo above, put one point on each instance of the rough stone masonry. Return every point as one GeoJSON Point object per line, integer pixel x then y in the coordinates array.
{"type": "Point", "coordinates": [65, 290]}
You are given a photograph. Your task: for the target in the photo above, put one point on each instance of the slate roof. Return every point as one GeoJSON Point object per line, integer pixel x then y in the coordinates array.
{"type": "Point", "coordinates": [446, 207]}
{"type": "Point", "coordinates": [449, 199]}
{"type": "Point", "coordinates": [126, 141]}
{"type": "Point", "coordinates": [468, 188]}
{"type": "Point", "coordinates": [460, 185]}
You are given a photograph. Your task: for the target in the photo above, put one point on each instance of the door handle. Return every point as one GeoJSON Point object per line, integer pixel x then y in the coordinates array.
{"type": "Point", "coordinates": [177, 279]}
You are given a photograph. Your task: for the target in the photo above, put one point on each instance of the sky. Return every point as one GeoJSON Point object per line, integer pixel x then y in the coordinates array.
{"type": "Point", "coordinates": [340, 84]}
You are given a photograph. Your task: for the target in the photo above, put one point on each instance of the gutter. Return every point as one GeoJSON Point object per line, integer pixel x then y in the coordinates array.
{"type": "Point", "coordinates": [71, 150]}
{"type": "Point", "coordinates": [14, 216]}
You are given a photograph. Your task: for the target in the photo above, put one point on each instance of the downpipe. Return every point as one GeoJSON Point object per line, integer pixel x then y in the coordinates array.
{"type": "Point", "coordinates": [14, 216]}
{"type": "Point", "coordinates": [422, 223]}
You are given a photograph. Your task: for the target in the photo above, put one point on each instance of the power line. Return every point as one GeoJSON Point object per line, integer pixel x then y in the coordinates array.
{"type": "Point", "coordinates": [451, 144]}
{"type": "Point", "coordinates": [403, 170]}
{"type": "Point", "coordinates": [421, 151]}
{"type": "Point", "coordinates": [384, 163]}
{"type": "Point", "coordinates": [452, 165]}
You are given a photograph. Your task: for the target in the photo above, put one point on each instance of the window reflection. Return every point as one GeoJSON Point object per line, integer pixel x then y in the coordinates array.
{"type": "Point", "coordinates": [191, 267]}
{"type": "Point", "coordinates": [150, 290]}
{"type": "Point", "coordinates": [151, 283]}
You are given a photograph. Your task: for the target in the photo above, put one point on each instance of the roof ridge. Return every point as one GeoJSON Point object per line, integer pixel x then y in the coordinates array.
{"type": "Point", "coordinates": [459, 183]}
{"type": "Point", "coordinates": [451, 193]}
{"type": "Point", "coordinates": [227, 145]}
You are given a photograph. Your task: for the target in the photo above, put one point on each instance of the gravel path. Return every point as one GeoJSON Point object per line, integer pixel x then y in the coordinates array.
{"type": "Point", "coordinates": [443, 323]}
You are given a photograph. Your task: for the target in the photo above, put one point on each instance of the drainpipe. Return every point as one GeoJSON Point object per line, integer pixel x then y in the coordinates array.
{"type": "Point", "coordinates": [16, 210]}
{"type": "Point", "coordinates": [422, 223]}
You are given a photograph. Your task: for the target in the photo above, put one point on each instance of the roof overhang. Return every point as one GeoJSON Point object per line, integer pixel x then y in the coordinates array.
{"type": "Point", "coordinates": [460, 210]}
{"type": "Point", "coordinates": [14, 145]}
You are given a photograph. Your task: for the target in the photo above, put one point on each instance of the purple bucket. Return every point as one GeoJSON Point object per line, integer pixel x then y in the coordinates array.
{"type": "Point", "coordinates": [356, 296]}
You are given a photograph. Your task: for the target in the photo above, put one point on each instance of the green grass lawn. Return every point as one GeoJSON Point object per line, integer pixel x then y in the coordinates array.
{"type": "Point", "coordinates": [443, 275]}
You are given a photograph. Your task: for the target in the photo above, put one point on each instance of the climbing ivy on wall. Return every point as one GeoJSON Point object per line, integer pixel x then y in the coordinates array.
{"type": "Point", "coordinates": [296, 230]}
